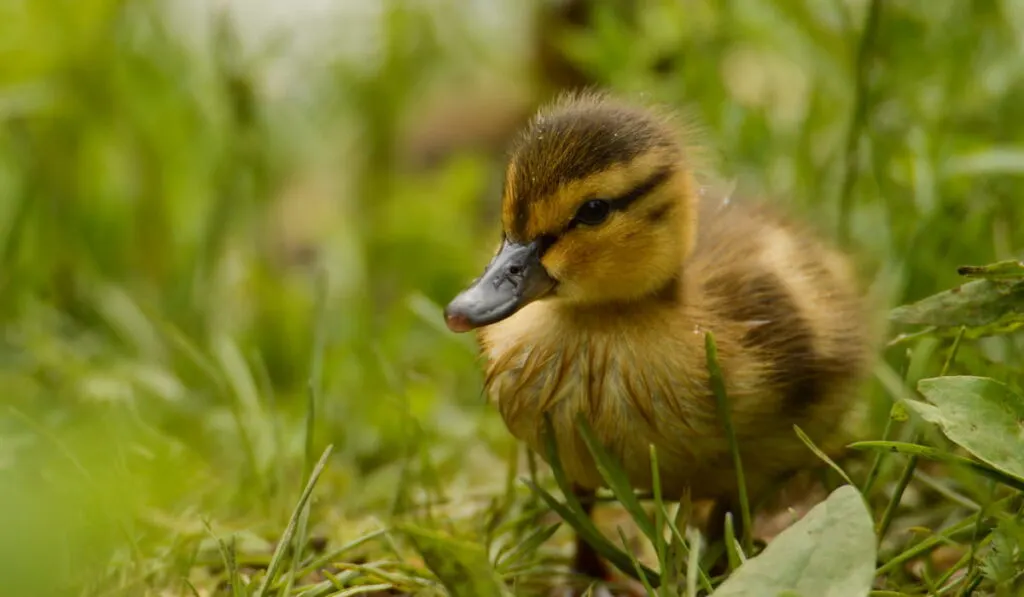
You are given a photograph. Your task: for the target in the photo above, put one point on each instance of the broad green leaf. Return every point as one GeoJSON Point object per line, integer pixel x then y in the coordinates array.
{"type": "Point", "coordinates": [982, 415]}
{"type": "Point", "coordinates": [1001, 269]}
{"type": "Point", "coordinates": [462, 566]}
{"type": "Point", "coordinates": [994, 306]}
{"type": "Point", "coordinates": [829, 553]}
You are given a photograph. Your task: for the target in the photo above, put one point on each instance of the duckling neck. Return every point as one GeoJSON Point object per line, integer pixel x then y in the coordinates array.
{"type": "Point", "coordinates": [669, 294]}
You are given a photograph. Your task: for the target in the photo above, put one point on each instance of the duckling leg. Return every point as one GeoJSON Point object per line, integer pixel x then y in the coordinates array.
{"type": "Point", "coordinates": [715, 526]}
{"type": "Point", "coordinates": [714, 530]}
{"type": "Point", "coordinates": [585, 560]}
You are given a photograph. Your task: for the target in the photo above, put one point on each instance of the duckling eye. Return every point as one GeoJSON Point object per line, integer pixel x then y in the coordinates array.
{"type": "Point", "coordinates": [592, 212]}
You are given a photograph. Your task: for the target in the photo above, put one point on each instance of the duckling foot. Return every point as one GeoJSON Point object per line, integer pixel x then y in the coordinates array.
{"type": "Point", "coordinates": [714, 531]}
{"type": "Point", "coordinates": [598, 590]}
{"type": "Point", "coordinates": [587, 563]}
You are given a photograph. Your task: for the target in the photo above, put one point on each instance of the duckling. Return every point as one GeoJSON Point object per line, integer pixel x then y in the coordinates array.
{"type": "Point", "coordinates": [611, 268]}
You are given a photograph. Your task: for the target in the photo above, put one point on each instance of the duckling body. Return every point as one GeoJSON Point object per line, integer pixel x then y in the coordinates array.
{"type": "Point", "coordinates": [612, 268]}
{"type": "Point", "coordinates": [791, 344]}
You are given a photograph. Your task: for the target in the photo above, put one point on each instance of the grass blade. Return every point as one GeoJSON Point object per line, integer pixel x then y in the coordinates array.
{"type": "Point", "coordinates": [551, 446]}
{"type": "Point", "coordinates": [730, 543]}
{"type": "Point", "coordinates": [616, 478]}
{"type": "Point", "coordinates": [325, 559]}
{"type": "Point", "coordinates": [681, 540]}
{"type": "Point", "coordinates": [529, 545]}
{"type": "Point", "coordinates": [462, 566]}
{"type": "Point", "coordinates": [976, 537]}
{"type": "Point", "coordinates": [927, 545]}
{"type": "Point", "coordinates": [228, 557]}
{"type": "Point", "coordinates": [573, 513]}
{"type": "Point", "coordinates": [693, 564]}
{"type": "Point", "coordinates": [724, 412]}
{"type": "Point", "coordinates": [933, 454]}
{"type": "Point", "coordinates": [282, 546]}
{"type": "Point", "coordinates": [894, 501]}
{"type": "Point", "coordinates": [298, 545]}
{"type": "Point", "coordinates": [953, 350]}
{"type": "Point", "coordinates": [636, 564]}
{"type": "Point", "coordinates": [898, 412]}
{"type": "Point", "coordinates": [314, 385]}
{"type": "Point", "coordinates": [191, 587]}
{"type": "Point", "coordinates": [364, 589]}
{"type": "Point", "coordinates": [667, 567]}
{"type": "Point", "coordinates": [582, 524]}
{"type": "Point", "coordinates": [822, 455]}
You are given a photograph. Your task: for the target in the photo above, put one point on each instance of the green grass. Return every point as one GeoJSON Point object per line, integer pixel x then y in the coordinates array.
{"type": "Point", "coordinates": [206, 280]}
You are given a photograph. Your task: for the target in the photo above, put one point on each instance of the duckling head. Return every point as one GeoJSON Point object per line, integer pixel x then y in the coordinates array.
{"type": "Point", "coordinates": [598, 207]}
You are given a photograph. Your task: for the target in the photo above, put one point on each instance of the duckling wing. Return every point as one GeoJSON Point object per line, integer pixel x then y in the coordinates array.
{"type": "Point", "coordinates": [786, 306]}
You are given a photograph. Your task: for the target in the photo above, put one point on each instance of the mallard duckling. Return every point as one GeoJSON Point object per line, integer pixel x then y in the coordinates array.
{"type": "Point", "coordinates": [611, 268]}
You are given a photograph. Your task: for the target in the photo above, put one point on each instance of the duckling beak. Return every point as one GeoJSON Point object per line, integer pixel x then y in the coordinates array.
{"type": "Point", "coordinates": [513, 279]}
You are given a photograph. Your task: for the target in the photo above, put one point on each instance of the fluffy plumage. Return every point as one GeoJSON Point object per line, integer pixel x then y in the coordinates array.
{"type": "Point", "coordinates": [619, 336]}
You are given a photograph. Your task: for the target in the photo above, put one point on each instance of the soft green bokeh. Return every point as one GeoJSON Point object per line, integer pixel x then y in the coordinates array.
{"type": "Point", "coordinates": [193, 227]}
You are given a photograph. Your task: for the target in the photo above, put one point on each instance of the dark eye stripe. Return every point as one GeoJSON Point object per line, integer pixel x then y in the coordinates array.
{"type": "Point", "coordinates": [544, 243]}
{"type": "Point", "coordinates": [648, 185]}
{"type": "Point", "coordinates": [651, 183]}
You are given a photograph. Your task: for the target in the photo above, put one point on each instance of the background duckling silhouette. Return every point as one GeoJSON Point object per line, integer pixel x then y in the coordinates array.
{"type": "Point", "coordinates": [611, 268]}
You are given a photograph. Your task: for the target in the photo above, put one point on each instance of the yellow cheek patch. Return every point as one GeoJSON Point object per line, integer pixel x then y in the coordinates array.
{"type": "Point", "coordinates": [582, 250]}
{"type": "Point", "coordinates": [557, 259]}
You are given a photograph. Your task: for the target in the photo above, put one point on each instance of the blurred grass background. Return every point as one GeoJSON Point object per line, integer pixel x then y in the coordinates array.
{"type": "Point", "coordinates": [225, 224]}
